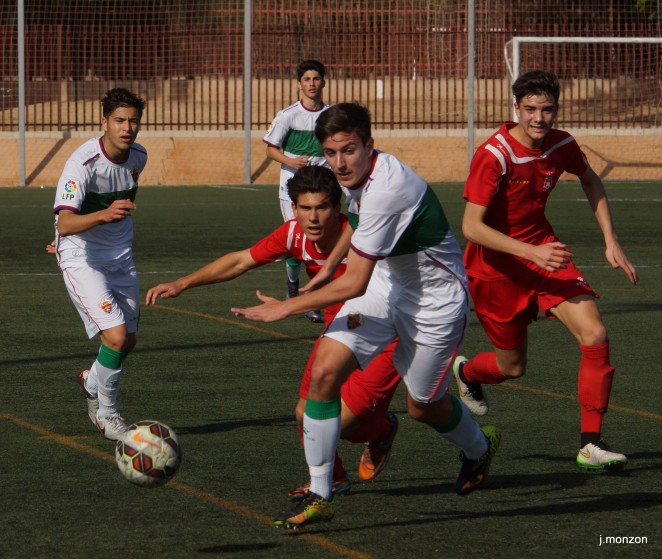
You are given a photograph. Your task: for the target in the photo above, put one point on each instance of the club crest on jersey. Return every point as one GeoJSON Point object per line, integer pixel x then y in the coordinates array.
{"type": "Point", "coordinates": [354, 320]}
{"type": "Point", "coordinates": [135, 174]}
{"type": "Point", "coordinates": [106, 305]}
{"type": "Point", "coordinates": [549, 182]}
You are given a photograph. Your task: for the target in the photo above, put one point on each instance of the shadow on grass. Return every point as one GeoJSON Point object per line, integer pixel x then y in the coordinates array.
{"type": "Point", "coordinates": [87, 355]}
{"type": "Point", "coordinates": [225, 426]}
{"type": "Point", "coordinates": [238, 548]}
{"type": "Point", "coordinates": [615, 502]}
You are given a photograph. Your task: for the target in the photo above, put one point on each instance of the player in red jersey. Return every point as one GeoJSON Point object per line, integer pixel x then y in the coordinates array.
{"type": "Point", "coordinates": [517, 265]}
{"type": "Point", "coordinates": [310, 237]}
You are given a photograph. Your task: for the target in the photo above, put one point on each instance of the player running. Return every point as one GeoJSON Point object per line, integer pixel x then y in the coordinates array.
{"type": "Point", "coordinates": [94, 202]}
{"type": "Point", "coordinates": [516, 264]}
{"type": "Point", "coordinates": [310, 237]}
{"type": "Point", "coordinates": [404, 280]}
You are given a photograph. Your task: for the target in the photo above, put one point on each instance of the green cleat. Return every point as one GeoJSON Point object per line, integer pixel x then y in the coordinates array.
{"type": "Point", "coordinates": [310, 510]}
{"type": "Point", "coordinates": [473, 472]}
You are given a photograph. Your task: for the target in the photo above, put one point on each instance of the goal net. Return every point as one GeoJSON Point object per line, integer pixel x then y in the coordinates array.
{"type": "Point", "coordinates": [607, 81]}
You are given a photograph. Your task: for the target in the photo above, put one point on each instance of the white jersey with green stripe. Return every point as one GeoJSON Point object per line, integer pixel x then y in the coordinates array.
{"type": "Point", "coordinates": [293, 130]}
{"type": "Point", "coordinates": [398, 219]}
{"type": "Point", "coordinates": [91, 181]}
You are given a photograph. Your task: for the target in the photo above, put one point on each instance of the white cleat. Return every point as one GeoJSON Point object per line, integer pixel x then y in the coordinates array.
{"type": "Point", "coordinates": [472, 395]}
{"type": "Point", "coordinates": [112, 426]}
{"type": "Point", "coordinates": [598, 458]}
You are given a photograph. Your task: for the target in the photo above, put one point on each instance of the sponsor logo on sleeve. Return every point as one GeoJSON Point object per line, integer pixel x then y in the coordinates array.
{"type": "Point", "coordinates": [70, 188]}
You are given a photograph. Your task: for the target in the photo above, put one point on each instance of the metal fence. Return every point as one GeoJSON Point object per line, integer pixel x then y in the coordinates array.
{"type": "Point", "coordinates": [406, 60]}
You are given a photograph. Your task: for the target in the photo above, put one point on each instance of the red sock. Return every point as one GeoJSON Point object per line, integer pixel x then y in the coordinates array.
{"type": "Point", "coordinates": [594, 386]}
{"type": "Point", "coordinates": [374, 429]}
{"type": "Point", "coordinates": [483, 369]}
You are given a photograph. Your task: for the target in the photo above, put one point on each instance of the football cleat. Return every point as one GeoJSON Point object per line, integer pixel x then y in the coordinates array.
{"type": "Point", "coordinates": [472, 394]}
{"type": "Point", "coordinates": [310, 510]}
{"type": "Point", "coordinates": [598, 458]}
{"type": "Point", "coordinates": [112, 426]}
{"type": "Point", "coordinates": [473, 472]}
{"type": "Point", "coordinates": [292, 289]}
{"type": "Point", "coordinates": [315, 316]}
{"type": "Point", "coordinates": [377, 453]}
{"type": "Point", "coordinates": [92, 400]}
{"type": "Point", "coordinates": [338, 487]}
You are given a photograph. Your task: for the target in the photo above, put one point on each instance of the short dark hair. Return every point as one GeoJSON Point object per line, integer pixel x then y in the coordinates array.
{"type": "Point", "coordinates": [344, 117]}
{"type": "Point", "coordinates": [314, 179]}
{"type": "Point", "coordinates": [120, 97]}
{"type": "Point", "coordinates": [311, 64]}
{"type": "Point", "coordinates": [537, 82]}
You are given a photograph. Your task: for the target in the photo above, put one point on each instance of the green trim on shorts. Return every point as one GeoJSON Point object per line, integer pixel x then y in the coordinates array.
{"type": "Point", "coordinates": [453, 420]}
{"type": "Point", "coordinates": [293, 262]}
{"type": "Point", "coordinates": [322, 410]}
{"type": "Point", "coordinates": [109, 358]}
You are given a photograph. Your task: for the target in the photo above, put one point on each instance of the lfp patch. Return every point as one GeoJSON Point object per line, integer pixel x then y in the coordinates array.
{"type": "Point", "coordinates": [70, 186]}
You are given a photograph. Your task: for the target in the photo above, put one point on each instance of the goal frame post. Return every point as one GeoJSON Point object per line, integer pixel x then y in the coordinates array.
{"type": "Point", "coordinates": [513, 61]}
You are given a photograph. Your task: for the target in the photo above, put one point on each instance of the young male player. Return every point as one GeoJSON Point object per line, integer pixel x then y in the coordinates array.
{"type": "Point", "coordinates": [291, 142]}
{"type": "Point", "coordinates": [404, 280]}
{"type": "Point", "coordinates": [94, 202]}
{"type": "Point", "coordinates": [310, 236]}
{"type": "Point", "coordinates": [516, 264]}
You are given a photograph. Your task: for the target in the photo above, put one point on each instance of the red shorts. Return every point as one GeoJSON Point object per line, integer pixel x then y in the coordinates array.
{"type": "Point", "coordinates": [505, 308]}
{"type": "Point", "coordinates": [364, 392]}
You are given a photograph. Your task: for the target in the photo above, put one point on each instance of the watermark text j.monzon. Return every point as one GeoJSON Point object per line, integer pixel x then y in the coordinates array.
{"type": "Point", "coordinates": [622, 540]}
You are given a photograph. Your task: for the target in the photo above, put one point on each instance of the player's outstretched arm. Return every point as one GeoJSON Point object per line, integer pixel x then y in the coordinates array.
{"type": "Point", "coordinates": [352, 283]}
{"type": "Point", "coordinates": [222, 269]}
{"type": "Point", "coordinates": [329, 267]}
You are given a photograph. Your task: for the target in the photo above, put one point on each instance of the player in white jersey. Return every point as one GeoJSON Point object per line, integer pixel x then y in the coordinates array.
{"type": "Point", "coordinates": [291, 142]}
{"type": "Point", "coordinates": [404, 279]}
{"type": "Point", "coordinates": [93, 209]}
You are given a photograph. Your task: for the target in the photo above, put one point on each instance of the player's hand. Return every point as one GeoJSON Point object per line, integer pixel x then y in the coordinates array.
{"type": "Point", "coordinates": [550, 256]}
{"type": "Point", "coordinates": [119, 209]}
{"type": "Point", "coordinates": [270, 311]}
{"type": "Point", "coordinates": [616, 257]}
{"type": "Point", "coordinates": [50, 247]}
{"type": "Point", "coordinates": [163, 290]}
{"type": "Point", "coordinates": [298, 162]}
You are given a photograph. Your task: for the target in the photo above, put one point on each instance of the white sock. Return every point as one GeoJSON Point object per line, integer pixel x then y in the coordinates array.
{"type": "Point", "coordinates": [467, 435]}
{"type": "Point", "coordinates": [91, 380]}
{"type": "Point", "coordinates": [108, 386]}
{"type": "Point", "coordinates": [293, 273]}
{"type": "Point", "coordinates": [320, 442]}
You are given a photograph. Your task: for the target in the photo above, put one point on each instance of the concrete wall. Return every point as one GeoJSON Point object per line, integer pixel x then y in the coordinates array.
{"type": "Point", "coordinates": [198, 158]}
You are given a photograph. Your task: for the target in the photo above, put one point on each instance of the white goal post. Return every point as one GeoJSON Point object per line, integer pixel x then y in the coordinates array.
{"type": "Point", "coordinates": [513, 48]}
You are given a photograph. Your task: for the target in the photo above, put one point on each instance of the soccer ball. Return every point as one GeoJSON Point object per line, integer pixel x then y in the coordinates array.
{"type": "Point", "coordinates": [149, 454]}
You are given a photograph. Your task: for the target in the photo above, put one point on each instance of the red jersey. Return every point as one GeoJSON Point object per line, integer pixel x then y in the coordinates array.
{"type": "Point", "coordinates": [513, 182]}
{"type": "Point", "coordinates": [289, 240]}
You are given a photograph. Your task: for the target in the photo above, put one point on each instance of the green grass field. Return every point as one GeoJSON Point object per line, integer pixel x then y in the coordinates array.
{"type": "Point", "coordinates": [228, 387]}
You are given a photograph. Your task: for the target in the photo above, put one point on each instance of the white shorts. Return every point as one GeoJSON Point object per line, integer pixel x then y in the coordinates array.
{"type": "Point", "coordinates": [286, 210]}
{"type": "Point", "coordinates": [105, 297]}
{"type": "Point", "coordinates": [430, 325]}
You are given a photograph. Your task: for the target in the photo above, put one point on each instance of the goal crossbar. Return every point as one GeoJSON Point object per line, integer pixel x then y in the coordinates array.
{"type": "Point", "coordinates": [514, 62]}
